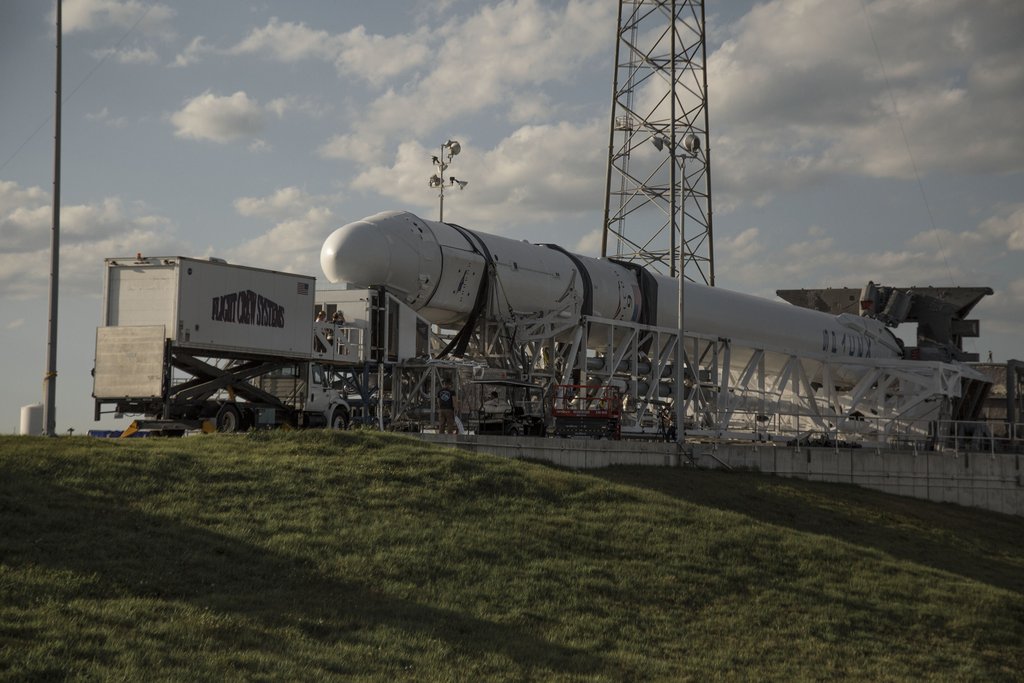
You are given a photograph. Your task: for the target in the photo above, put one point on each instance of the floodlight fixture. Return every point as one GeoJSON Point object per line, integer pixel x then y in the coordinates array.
{"type": "Point", "coordinates": [691, 143]}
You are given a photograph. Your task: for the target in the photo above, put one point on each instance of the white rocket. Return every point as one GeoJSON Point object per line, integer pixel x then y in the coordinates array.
{"type": "Point", "coordinates": [439, 269]}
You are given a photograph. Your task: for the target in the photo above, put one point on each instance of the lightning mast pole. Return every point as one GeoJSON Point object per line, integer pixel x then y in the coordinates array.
{"type": "Point", "coordinates": [50, 379]}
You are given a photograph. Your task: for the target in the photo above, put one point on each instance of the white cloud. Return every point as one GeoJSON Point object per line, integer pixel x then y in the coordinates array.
{"type": "Point", "coordinates": [508, 48]}
{"type": "Point", "coordinates": [90, 15]}
{"type": "Point", "coordinates": [131, 55]}
{"type": "Point", "coordinates": [279, 106]}
{"type": "Point", "coordinates": [364, 148]}
{"type": "Point", "coordinates": [301, 223]}
{"type": "Point", "coordinates": [1001, 315]}
{"type": "Point", "coordinates": [258, 145]}
{"type": "Point", "coordinates": [283, 202]}
{"type": "Point", "coordinates": [289, 42]}
{"type": "Point", "coordinates": [192, 54]}
{"type": "Point", "coordinates": [378, 58]}
{"type": "Point", "coordinates": [234, 117]}
{"type": "Point", "coordinates": [12, 195]}
{"type": "Point", "coordinates": [1008, 225]}
{"type": "Point", "coordinates": [536, 174]}
{"type": "Point", "coordinates": [500, 54]}
{"type": "Point", "coordinates": [531, 107]}
{"type": "Point", "coordinates": [374, 58]}
{"type": "Point", "coordinates": [589, 244]}
{"type": "Point", "coordinates": [292, 245]}
{"type": "Point", "coordinates": [741, 248]}
{"type": "Point", "coordinates": [25, 217]}
{"type": "Point", "coordinates": [220, 119]}
{"type": "Point", "coordinates": [793, 112]}
{"type": "Point", "coordinates": [977, 257]}
{"type": "Point", "coordinates": [89, 233]}
{"type": "Point", "coordinates": [24, 226]}
{"type": "Point", "coordinates": [103, 116]}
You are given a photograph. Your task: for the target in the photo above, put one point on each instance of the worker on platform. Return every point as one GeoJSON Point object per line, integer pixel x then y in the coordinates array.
{"type": "Point", "coordinates": [337, 319]}
{"type": "Point", "coordinates": [318, 345]}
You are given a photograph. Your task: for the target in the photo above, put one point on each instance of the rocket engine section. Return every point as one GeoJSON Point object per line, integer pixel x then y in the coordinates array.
{"type": "Point", "coordinates": [441, 270]}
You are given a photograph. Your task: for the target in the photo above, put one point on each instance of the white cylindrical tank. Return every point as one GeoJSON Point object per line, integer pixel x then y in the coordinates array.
{"type": "Point", "coordinates": [31, 420]}
{"type": "Point", "coordinates": [745, 318]}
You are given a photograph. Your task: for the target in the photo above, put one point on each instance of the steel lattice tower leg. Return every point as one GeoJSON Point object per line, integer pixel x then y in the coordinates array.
{"type": "Point", "coordinates": [658, 196]}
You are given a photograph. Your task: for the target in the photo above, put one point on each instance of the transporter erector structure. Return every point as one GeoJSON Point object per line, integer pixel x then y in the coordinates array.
{"type": "Point", "coordinates": [755, 369]}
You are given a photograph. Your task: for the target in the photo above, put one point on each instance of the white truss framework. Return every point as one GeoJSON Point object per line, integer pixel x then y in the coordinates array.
{"type": "Point", "coordinates": [736, 389]}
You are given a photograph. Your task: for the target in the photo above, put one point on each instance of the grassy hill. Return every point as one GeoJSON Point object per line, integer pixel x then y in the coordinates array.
{"type": "Point", "coordinates": [366, 556]}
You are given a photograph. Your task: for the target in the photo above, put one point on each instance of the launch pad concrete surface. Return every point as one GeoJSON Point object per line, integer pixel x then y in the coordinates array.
{"type": "Point", "coordinates": [993, 481]}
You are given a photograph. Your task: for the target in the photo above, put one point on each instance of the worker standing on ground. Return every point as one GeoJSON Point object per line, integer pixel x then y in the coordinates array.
{"type": "Point", "coordinates": [446, 407]}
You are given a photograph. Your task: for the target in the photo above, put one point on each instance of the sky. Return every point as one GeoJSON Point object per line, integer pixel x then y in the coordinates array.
{"type": "Point", "coordinates": [850, 139]}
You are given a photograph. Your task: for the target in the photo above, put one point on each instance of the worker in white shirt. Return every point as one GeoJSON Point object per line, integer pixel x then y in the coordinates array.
{"type": "Point", "coordinates": [493, 405]}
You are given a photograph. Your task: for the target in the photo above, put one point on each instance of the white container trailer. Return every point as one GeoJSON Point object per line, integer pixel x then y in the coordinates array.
{"type": "Point", "coordinates": [192, 343]}
{"type": "Point", "coordinates": [210, 305]}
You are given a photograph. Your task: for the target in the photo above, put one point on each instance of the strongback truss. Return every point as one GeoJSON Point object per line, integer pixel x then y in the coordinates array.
{"type": "Point", "coordinates": [736, 390]}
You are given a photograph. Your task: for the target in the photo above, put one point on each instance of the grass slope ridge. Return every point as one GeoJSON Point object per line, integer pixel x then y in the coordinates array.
{"type": "Point", "coordinates": [366, 556]}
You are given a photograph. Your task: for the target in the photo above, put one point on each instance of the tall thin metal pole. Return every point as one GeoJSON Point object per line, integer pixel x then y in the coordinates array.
{"type": "Point", "coordinates": [611, 137]}
{"type": "Point", "coordinates": [50, 379]}
{"type": "Point", "coordinates": [440, 213]}
{"type": "Point", "coordinates": [680, 400]}
{"type": "Point", "coordinates": [707, 147]}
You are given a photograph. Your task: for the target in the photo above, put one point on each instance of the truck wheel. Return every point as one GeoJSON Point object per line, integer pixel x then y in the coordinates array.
{"type": "Point", "coordinates": [229, 419]}
{"type": "Point", "coordinates": [514, 430]}
{"type": "Point", "coordinates": [339, 419]}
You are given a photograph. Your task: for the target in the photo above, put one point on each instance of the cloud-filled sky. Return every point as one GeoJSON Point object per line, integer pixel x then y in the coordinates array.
{"type": "Point", "coordinates": [851, 140]}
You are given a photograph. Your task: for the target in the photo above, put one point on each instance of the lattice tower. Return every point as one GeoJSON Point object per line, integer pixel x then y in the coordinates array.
{"type": "Point", "coordinates": [658, 194]}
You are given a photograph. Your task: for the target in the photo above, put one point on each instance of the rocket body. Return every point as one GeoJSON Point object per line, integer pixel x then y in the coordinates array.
{"type": "Point", "coordinates": [438, 269]}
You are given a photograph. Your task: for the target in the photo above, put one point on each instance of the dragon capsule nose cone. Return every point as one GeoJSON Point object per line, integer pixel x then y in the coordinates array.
{"type": "Point", "coordinates": [357, 253]}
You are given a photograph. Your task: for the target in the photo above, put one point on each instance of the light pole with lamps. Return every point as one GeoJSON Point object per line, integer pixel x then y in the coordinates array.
{"type": "Point", "coordinates": [449, 150]}
{"type": "Point", "coordinates": [691, 147]}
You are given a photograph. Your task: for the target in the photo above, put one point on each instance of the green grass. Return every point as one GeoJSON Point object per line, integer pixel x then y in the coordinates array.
{"type": "Point", "coordinates": [366, 556]}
